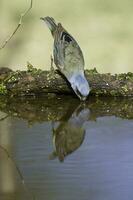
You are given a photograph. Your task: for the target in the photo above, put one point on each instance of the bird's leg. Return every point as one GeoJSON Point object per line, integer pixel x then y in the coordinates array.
{"type": "Point", "coordinates": [53, 125]}
{"type": "Point", "coordinates": [52, 66]}
{"type": "Point", "coordinates": [53, 155]}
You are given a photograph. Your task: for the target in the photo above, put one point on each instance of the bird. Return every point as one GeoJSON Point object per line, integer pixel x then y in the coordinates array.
{"type": "Point", "coordinates": [69, 132]}
{"type": "Point", "coordinates": [68, 58]}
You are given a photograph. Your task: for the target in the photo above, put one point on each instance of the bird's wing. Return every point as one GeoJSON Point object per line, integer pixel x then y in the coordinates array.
{"type": "Point", "coordinates": [67, 53]}
{"type": "Point", "coordinates": [59, 55]}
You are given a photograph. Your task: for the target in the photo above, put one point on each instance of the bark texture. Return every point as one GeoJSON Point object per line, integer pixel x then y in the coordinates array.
{"type": "Point", "coordinates": [35, 81]}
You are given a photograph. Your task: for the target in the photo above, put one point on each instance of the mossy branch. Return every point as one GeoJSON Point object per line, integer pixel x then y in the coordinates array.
{"type": "Point", "coordinates": [36, 81]}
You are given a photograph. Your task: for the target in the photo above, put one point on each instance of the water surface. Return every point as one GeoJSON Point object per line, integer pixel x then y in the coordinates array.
{"type": "Point", "coordinates": [57, 148]}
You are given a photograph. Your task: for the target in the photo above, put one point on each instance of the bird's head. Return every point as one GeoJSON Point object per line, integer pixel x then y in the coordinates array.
{"type": "Point", "coordinates": [80, 86]}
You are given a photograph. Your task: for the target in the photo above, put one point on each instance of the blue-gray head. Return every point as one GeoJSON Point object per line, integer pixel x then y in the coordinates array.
{"type": "Point", "coordinates": [80, 86]}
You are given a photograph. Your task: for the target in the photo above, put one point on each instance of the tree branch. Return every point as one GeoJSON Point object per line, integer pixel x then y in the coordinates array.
{"type": "Point", "coordinates": [35, 81]}
{"type": "Point", "coordinates": [3, 118]}
{"type": "Point", "coordinates": [22, 15]}
{"type": "Point", "coordinates": [18, 171]}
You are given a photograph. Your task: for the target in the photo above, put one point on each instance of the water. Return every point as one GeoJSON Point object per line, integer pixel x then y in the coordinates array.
{"type": "Point", "coordinates": [59, 149]}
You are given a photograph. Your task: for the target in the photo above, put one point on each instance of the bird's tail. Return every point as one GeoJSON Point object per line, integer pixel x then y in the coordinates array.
{"type": "Point", "coordinates": [50, 23]}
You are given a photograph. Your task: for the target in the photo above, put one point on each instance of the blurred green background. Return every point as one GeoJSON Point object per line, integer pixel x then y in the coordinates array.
{"type": "Point", "coordinates": [103, 29]}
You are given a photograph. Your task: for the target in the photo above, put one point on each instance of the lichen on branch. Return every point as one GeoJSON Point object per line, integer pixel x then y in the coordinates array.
{"type": "Point", "coordinates": [36, 81]}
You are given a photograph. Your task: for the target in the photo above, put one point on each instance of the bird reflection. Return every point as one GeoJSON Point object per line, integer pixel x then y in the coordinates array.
{"type": "Point", "coordinates": [69, 133]}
